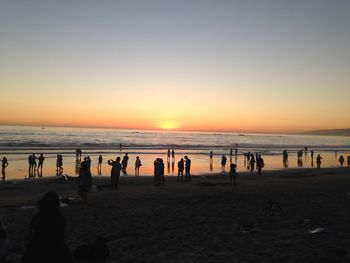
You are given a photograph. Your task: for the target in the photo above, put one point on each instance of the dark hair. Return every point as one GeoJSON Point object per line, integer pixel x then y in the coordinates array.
{"type": "Point", "coordinates": [50, 202]}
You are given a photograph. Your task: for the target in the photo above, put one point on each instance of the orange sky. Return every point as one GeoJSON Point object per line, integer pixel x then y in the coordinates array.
{"type": "Point", "coordinates": [234, 66]}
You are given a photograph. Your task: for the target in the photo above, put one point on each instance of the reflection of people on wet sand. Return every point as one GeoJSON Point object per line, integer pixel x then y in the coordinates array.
{"type": "Point", "coordinates": [115, 172]}
{"type": "Point", "coordinates": [252, 163]}
{"type": "Point", "coordinates": [172, 160]}
{"type": "Point", "coordinates": [211, 160]}
{"type": "Point", "coordinates": [180, 169]}
{"type": "Point", "coordinates": [47, 233]}
{"type": "Point", "coordinates": [285, 158]}
{"type": "Point", "coordinates": [137, 166]}
{"type": "Point", "coordinates": [78, 153]}
{"type": "Point", "coordinates": [84, 179]}
{"type": "Point", "coordinates": [168, 156]}
{"type": "Point", "coordinates": [318, 161]}
{"type": "Point", "coordinates": [173, 155]}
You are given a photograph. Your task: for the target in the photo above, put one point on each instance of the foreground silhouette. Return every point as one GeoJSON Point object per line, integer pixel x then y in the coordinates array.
{"type": "Point", "coordinates": [47, 233]}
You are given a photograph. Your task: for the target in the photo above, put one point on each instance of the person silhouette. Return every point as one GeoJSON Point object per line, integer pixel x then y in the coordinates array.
{"type": "Point", "coordinates": [99, 164]}
{"type": "Point", "coordinates": [84, 179]}
{"type": "Point", "coordinates": [115, 172]}
{"type": "Point", "coordinates": [259, 164]}
{"type": "Point", "coordinates": [47, 233]}
{"type": "Point", "coordinates": [4, 164]}
{"type": "Point", "coordinates": [187, 168]}
{"type": "Point", "coordinates": [233, 173]}
{"type": "Point", "coordinates": [348, 160]}
{"type": "Point", "coordinates": [137, 166]}
{"type": "Point", "coordinates": [41, 159]}
{"type": "Point", "coordinates": [318, 160]}
{"type": "Point", "coordinates": [180, 169]}
{"type": "Point", "coordinates": [341, 160]}
{"type": "Point", "coordinates": [223, 163]}
{"type": "Point", "coordinates": [125, 163]}
{"type": "Point", "coordinates": [252, 163]}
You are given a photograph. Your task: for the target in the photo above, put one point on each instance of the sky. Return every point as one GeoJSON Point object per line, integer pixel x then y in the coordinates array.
{"type": "Point", "coordinates": [253, 66]}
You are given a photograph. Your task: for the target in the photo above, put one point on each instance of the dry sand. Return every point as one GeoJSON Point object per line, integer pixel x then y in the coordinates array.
{"type": "Point", "coordinates": [208, 220]}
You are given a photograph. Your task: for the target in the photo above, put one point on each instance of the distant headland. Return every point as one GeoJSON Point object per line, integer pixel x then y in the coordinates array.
{"type": "Point", "coordinates": [330, 132]}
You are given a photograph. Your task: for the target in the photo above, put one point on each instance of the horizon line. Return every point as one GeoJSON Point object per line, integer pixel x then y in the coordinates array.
{"type": "Point", "coordinates": [154, 129]}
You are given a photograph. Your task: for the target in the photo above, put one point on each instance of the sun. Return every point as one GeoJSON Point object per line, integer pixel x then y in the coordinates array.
{"type": "Point", "coordinates": [169, 125]}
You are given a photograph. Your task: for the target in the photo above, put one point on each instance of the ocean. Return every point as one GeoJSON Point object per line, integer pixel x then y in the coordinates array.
{"type": "Point", "coordinates": [16, 143]}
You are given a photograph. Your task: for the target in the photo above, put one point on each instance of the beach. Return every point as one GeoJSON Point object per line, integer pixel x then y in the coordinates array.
{"type": "Point", "coordinates": [291, 215]}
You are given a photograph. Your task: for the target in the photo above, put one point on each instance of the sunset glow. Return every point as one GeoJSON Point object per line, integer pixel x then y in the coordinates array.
{"type": "Point", "coordinates": [180, 65]}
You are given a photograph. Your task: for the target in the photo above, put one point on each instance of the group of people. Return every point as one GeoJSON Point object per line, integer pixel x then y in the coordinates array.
{"type": "Point", "coordinates": [32, 161]}
{"type": "Point", "coordinates": [184, 165]}
{"type": "Point", "coordinates": [342, 160]}
{"type": "Point", "coordinates": [254, 161]}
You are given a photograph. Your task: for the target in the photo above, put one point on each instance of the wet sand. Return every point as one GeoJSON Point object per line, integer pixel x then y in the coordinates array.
{"type": "Point", "coordinates": [208, 220]}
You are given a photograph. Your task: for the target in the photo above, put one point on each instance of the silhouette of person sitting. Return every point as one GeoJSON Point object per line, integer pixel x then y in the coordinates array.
{"type": "Point", "coordinates": [47, 233]}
